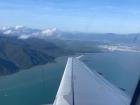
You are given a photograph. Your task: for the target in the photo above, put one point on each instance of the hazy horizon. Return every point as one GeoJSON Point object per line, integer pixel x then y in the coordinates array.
{"type": "Point", "coordinates": [57, 29]}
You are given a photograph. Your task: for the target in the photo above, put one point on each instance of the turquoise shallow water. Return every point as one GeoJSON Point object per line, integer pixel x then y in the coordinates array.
{"type": "Point", "coordinates": [38, 85]}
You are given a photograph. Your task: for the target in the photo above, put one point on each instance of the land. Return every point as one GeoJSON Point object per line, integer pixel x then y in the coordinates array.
{"type": "Point", "coordinates": [17, 54]}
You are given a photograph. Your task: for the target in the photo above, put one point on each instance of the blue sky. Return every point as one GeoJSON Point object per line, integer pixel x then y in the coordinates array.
{"type": "Point", "coordinates": [116, 16]}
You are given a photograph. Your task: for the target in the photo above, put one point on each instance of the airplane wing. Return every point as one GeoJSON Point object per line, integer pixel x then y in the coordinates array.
{"type": "Point", "coordinates": [81, 86]}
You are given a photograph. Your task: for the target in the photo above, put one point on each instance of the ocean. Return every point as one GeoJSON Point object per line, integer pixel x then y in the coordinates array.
{"type": "Point", "coordinates": [39, 85]}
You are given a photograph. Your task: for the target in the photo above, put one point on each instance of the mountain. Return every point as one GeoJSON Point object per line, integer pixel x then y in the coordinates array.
{"type": "Point", "coordinates": [52, 33]}
{"type": "Point", "coordinates": [7, 67]}
{"type": "Point", "coordinates": [17, 54]}
{"type": "Point", "coordinates": [23, 47]}
{"type": "Point", "coordinates": [102, 37]}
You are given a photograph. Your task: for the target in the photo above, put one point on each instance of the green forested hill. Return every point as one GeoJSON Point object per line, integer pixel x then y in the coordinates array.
{"type": "Point", "coordinates": [16, 54]}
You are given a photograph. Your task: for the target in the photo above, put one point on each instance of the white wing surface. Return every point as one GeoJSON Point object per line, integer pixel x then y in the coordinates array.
{"type": "Point", "coordinates": [81, 86]}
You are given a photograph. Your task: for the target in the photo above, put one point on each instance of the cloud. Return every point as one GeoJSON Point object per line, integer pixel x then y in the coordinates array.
{"type": "Point", "coordinates": [49, 32]}
{"type": "Point", "coordinates": [7, 32]}
{"type": "Point", "coordinates": [19, 27]}
{"type": "Point", "coordinates": [23, 37]}
{"type": "Point", "coordinates": [24, 32]}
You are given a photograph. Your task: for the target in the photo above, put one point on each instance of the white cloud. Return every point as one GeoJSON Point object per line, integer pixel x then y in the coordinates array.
{"type": "Point", "coordinates": [24, 37]}
{"type": "Point", "coordinates": [4, 28]}
{"type": "Point", "coordinates": [24, 32]}
{"type": "Point", "coordinates": [49, 32]}
{"type": "Point", "coordinates": [7, 32]}
{"type": "Point", "coordinates": [18, 27]}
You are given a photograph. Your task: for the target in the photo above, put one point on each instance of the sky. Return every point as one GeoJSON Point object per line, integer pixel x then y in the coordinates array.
{"type": "Point", "coordinates": [111, 16]}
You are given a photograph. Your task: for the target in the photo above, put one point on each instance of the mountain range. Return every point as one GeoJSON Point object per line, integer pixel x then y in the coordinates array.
{"type": "Point", "coordinates": [17, 54]}
{"type": "Point", "coordinates": [23, 32]}
{"type": "Point", "coordinates": [23, 47]}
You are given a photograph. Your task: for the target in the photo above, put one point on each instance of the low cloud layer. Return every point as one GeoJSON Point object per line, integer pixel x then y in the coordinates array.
{"type": "Point", "coordinates": [24, 33]}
